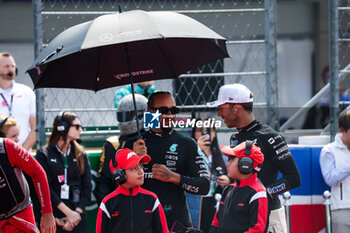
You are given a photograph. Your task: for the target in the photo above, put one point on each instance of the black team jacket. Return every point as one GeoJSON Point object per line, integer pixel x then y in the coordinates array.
{"type": "Point", "coordinates": [131, 210]}
{"type": "Point", "coordinates": [243, 208]}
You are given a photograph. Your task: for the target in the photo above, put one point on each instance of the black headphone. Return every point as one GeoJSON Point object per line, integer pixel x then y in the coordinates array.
{"type": "Point", "coordinates": [62, 125]}
{"type": "Point", "coordinates": [245, 164]}
{"type": "Point", "coordinates": [2, 122]}
{"type": "Point", "coordinates": [118, 176]}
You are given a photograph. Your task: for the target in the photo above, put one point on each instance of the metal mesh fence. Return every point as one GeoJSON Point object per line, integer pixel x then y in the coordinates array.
{"type": "Point", "coordinates": [241, 22]}
{"type": "Point", "coordinates": [344, 33]}
{"type": "Point", "coordinates": [339, 60]}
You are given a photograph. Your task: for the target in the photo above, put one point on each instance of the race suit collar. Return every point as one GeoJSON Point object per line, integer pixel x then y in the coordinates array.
{"type": "Point", "coordinates": [126, 191]}
{"type": "Point", "coordinates": [246, 182]}
{"type": "Point", "coordinates": [249, 127]}
{"type": "Point", "coordinates": [164, 134]}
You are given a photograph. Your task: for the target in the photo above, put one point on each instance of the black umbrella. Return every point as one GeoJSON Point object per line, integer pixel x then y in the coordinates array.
{"type": "Point", "coordinates": [123, 48]}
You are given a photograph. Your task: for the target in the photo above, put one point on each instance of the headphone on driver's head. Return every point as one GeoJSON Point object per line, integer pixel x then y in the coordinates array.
{"type": "Point", "coordinates": [118, 176]}
{"type": "Point", "coordinates": [3, 119]}
{"type": "Point", "coordinates": [246, 164]}
{"type": "Point", "coordinates": [62, 125]}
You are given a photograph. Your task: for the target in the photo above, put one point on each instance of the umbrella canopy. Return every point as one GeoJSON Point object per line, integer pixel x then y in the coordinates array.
{"type": "Point", "coordinates": [108, 50]}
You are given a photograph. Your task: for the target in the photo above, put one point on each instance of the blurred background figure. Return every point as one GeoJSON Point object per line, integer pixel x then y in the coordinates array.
{"type": "Point", "coordinates": [216, 162]}
{"type": "Point", "coordinates": [318, 116]}
{"type": "Point", "coordinates": [142, 88]}
{"type": "Point", "coordinates": [126, 117]}
{"type": "Point", "coordinates": [17, 100]}
{"type": "Point", "coordinates": [9, 128]}
{"type": "Point", "coordinates": [68, 172]}
{"type": "Point", "coordinates": [335, 167]}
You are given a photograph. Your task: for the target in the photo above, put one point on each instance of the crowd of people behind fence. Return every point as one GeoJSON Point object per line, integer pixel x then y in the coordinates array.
{"type": "Point", "coordinates": [150, 180]}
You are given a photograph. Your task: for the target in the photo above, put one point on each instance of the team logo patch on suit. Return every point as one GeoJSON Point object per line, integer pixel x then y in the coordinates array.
{"type": "Point", "coordinates": [173, 147]}
{"type": "Point", "coordinates": [116, 213]}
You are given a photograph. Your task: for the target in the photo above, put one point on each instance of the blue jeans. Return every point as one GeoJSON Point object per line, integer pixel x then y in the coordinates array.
{"type": "Point", "coordinates": [194, 202]}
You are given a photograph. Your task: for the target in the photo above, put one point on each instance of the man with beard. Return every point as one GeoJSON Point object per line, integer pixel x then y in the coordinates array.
{"type": "Point", "coordinates": [235, 107]}
{"type": "Point", "coordinates": [17, 100]}
{"type": "Point", "coordinates": [177, 164]}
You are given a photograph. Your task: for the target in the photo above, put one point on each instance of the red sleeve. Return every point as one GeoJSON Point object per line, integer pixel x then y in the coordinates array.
{"type": "Point", "coordinates": [163, 219]}
{"type": "Point", "coordinates": [21, 158]}
{"type": "Point", "coordinates": [259, 213]}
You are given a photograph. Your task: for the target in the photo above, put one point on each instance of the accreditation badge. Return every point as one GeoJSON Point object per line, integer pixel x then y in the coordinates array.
{"type": "Point", "coordinates": [65, 191]}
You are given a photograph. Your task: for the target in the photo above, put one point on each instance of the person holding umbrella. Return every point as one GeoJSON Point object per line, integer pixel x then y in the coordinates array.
{"type": "Point", "coordinates": [176, 166]}
{"type": "Point", "coordinates": [68, 171]}
{"type": "Point", "coordinates": [126, 118]}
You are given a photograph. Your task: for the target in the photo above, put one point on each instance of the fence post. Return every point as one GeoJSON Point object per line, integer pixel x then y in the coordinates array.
{"type": "Point", "coordinates": [271, 63]}
{"type": "Point", "coordinates": [287, 204]}
{"type": "Point", "coordinates": [39, 93]}
{"type": "Point", "coordinates": [327, 207]}
{"type": "Point", "coordinates": [333, 66]}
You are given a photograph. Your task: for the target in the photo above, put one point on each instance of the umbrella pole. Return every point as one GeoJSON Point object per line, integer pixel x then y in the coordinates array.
{"type": "Point", "coordinates": [132, 88]}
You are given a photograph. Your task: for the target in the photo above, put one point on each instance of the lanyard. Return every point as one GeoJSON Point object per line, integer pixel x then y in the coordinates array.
{"type": "Point", "coordinates": [65, 162]}
{"type": "Point", "coordinates": [65, 167]}
{"type": "Point", "coordinates": [9, 106]}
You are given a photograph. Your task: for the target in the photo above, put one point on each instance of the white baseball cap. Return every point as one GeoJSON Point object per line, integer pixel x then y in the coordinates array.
{"type": "Point", "coordinates": [232, 93]}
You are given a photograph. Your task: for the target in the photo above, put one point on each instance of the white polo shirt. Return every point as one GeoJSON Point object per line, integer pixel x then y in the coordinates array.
{"type": "Point", "coordinates": [21, 100]}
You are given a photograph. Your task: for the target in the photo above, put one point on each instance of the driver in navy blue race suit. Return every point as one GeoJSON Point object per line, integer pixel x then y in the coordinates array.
{"type": "Point", "coordinates": [235, 103]}
{"type": "Point", "coordinates": [177, 164]}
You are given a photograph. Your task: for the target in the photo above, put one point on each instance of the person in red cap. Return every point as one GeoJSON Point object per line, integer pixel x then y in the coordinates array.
{"type": "Point", "coordinates": [235, 107]}
{"type": "Point", "coordinates": [130, 208]}
{"type": "Point", "coordinates": [244, 205]}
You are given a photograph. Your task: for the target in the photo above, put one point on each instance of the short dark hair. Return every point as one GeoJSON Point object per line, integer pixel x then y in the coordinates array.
{"type": "Point", "coordinates": [150, 102]}
{"type": "Point", "coordinates": [5, 54]}
{"type": "Point", "coordinates": [246, 106]}
{"type": "Point", "coordinates": [344, 120]}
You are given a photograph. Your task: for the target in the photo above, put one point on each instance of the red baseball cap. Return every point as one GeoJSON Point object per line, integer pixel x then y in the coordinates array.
{"type": "Point", "coordinates": [127, 158]}
{"type": "Point", "coordinates": [255, 153]}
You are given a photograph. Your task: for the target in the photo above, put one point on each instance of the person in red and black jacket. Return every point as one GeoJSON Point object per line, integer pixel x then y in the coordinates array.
{"type": "Point", "coordinates": [130, 208]}
{"type": "Point", "coordinates": [244, 205]}
{"type": "Point", "coordinates": [16, 210]}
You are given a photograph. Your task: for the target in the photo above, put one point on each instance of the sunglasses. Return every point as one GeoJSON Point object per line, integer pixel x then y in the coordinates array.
{"type": "Point", "coordinates": [77, 126]}
{"type": "Point", "coordinates": [165, 110]}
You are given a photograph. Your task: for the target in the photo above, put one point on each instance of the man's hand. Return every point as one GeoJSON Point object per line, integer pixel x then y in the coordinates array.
{"type": "Point", "coordinates": [162, 173]}
{"type": "Point", "coordinates": [140, 147]}
{"type": "Point", "coordinates": [47, 223]}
